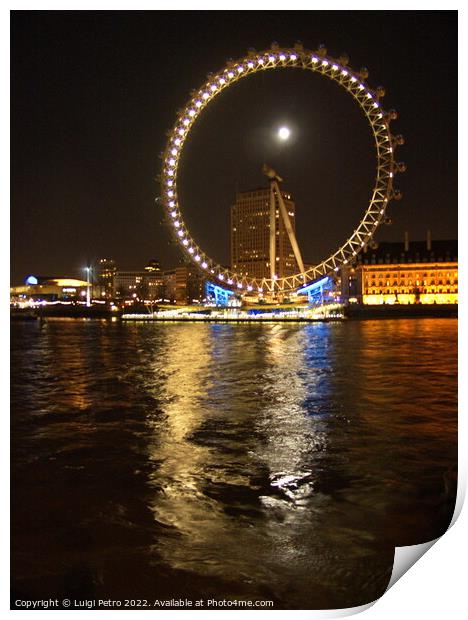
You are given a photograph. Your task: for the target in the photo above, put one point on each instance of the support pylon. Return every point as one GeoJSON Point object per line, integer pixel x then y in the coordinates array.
{"type": "Point", "coordinates": [275, 193]}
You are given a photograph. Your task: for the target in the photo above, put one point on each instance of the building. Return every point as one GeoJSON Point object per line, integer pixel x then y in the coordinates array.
{"type": "Point", "coordinates": [170, 285]}
{"type": "Point", "coordinates": [154, 285]}
{"type": "Point", "coordinates": [153, 266]}
{"type": "Point", "coordinates": [42, 288]}
{"type": "Point", "coordinates": [418, 272]}
{"type": "Point", "coordinates": [250, 235]}
{"type": "Point", "coordinates": [146, 284]}
{"type": "Point", "coordinates": [183, 285]}
{"type": "Point", "coordinates": [105, 276]}
{"type": "Point", "coordinates": [190, 285]}
{"type": "Point", "coordinates": [139, 284]}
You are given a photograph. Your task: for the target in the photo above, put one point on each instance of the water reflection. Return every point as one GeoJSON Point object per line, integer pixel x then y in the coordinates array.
{"type": "Point", "coordinates": [257, 461]}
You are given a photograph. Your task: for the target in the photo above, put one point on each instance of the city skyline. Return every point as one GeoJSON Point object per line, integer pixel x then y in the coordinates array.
{"type": "Point", "coordinates": [83, 174]}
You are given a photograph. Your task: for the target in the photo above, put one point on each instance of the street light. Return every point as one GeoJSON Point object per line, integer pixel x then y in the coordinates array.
{"type": "Point", "coordinates": [88, 287]}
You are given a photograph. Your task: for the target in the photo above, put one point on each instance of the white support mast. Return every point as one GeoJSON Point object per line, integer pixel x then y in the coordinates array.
{"type": "Point", "coordinates": [275, 191]}
{"type": "Point", "coordinates": [272, 234]}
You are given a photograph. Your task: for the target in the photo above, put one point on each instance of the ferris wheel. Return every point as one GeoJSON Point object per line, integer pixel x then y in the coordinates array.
{"type": "Point", "coordinates": [383, 191]}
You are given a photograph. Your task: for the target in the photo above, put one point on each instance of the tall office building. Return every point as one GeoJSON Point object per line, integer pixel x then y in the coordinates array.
{"type": "Point", "coordinates": [250, 235]}
{"type": "Point", "coordinates": [105, 276]}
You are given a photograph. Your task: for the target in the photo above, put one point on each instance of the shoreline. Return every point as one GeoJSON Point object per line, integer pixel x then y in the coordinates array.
{"type": "Point", "coordinates": [351, 312]}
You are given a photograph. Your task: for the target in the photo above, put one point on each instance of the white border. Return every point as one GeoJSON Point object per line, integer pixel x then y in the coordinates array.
{"type": "Point", "coordinates": [435, 587]}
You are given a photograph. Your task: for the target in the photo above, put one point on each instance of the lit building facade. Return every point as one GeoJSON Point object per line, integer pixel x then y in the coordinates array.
{"type": "Point", "coordinates": [144, 284]}
{"type": "Point", "coordinates": [141, 284]}
{"type": "Point", "coordinates": [183, 285]}
{"type": "Point", "coordinates": [250, 235]}
{"type": "Point", "coordinates": [408, 273]}
{"type": "Point", "coordinates": [105, 276]}
{"type": "Point", "coordinates": [40, 288]}
{"type": "Point", "coordinates": [190, 285]}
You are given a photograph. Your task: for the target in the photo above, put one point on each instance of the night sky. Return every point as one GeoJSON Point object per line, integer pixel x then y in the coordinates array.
{"type": "Point", "coordinates": [93, 95]}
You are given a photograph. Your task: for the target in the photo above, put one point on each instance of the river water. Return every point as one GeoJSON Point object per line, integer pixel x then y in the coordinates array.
{"type": "Point", "coordinates": [251, 462]}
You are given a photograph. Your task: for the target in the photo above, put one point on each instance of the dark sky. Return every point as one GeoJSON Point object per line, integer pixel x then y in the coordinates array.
{"type": "Point", "coordinates": [94, 93]}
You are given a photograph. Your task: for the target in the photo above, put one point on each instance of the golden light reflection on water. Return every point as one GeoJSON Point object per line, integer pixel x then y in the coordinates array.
{"type": "Point", "coordinates": [180, 462]}
{"type": "Point", "coordinates": [183, 466]}
{"type": "Point", "coordinates": [258, 423]}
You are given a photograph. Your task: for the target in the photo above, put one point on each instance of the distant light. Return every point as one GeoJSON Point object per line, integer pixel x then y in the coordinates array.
{"type": "Point", "coordinates": [31, 280]}
{"type": "Point", "coordinates": [284, 133]}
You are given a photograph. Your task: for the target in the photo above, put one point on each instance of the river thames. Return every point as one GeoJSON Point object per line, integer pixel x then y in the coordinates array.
{"type": "Point", "coordinates": [263, 462]}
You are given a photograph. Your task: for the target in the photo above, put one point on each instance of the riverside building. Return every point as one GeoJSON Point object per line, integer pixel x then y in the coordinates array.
{"type": "Point", "coordinates": [106, 271]}
{"type": "Point", "coordinates": [418, 272]}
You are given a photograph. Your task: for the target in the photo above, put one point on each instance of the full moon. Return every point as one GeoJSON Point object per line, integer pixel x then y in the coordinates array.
{"type": "Point", "coordinates": [283, 133]}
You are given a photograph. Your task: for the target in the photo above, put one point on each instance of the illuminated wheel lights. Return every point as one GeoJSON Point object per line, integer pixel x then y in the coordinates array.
{"type": "Point", "coordinates": [379, 120]}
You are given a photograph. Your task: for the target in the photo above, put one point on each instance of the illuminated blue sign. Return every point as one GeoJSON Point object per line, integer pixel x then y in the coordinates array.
{"type": "Point", "coordinates": [31, 280]}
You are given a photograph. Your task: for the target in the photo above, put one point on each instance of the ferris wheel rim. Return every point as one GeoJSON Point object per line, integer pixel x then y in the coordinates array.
{"type": "Point", "coordinates": [382, 193]}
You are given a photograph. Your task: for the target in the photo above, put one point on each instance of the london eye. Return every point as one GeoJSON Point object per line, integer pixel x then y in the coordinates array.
{"type": "Point", "coordinates": [381, 194]}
